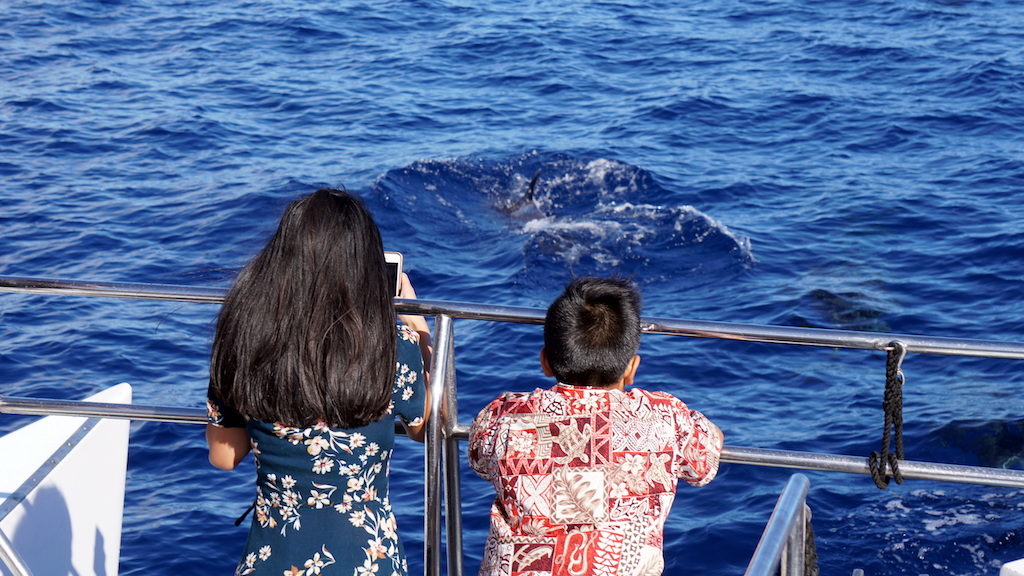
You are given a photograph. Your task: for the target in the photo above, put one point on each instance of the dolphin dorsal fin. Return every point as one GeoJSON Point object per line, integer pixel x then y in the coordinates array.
{"type": "Point", "coordinates": [532, 186]}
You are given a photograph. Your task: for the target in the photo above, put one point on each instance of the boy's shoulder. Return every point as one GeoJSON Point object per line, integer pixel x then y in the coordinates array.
{"type": "Point", "coordinates": [514, 404]}
{"type": "Point", "coordinates": [510, 399]}
{"type": "Point", "coordinates": [513, 397]}
{"type": "Point", "coordinates": [653, 394]}
{"type": "Point", "coordinates": [657, 400]}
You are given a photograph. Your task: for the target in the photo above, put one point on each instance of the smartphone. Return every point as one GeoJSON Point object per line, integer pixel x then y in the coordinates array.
{"type": "Point", "coordinates": [394, 263]}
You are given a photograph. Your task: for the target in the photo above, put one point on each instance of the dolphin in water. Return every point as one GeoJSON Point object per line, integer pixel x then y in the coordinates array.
{"type": "Point", "coordinates": [525, 207]}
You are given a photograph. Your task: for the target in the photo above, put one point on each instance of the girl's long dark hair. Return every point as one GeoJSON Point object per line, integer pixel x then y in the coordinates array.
{"type": "Point", "coordinates": [307, 331]}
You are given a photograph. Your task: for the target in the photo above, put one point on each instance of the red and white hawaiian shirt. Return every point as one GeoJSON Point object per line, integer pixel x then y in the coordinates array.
{"type": "Point", "coordinates": [585, 477]}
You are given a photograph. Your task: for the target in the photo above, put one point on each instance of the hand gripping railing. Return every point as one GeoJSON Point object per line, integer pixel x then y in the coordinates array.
{"type": "Point", "coordinates": [444, 432]}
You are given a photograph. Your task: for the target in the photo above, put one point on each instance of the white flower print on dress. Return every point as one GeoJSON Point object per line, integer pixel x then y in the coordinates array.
{"type": "Point", "coordinates": [405, 380]}
{"type": "Point", "coordinates": [319, 561]}
{"type": "Point", "coordinates": [271, 501]}
{"type": "Point", "coordinates": [345, 505]}
{"type": "Point", "coordinates": [357, 518]}
{"type": "Point", "coordinates": [316, 445]}
{"type": "Point", "coordinates": [368, 567]}
{"type": "Point", "coordinates": [357, 440]}
{"type": "Point", "coordinates": [323, 465]}
{"type": "Point", "coordinates": [324, 486]}
{"type": "Point", "coordinates": [213, 412]}
{"type": "Point", "coordinates": [248, 564]}
{"type": "Point", "coordinates": [319, 499]}
{"type": "Point", "coordinates": [376, 549]}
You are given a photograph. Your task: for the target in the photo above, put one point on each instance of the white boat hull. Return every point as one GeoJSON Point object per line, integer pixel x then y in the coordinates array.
{"type": "Point", "coordinates": [62, 481]}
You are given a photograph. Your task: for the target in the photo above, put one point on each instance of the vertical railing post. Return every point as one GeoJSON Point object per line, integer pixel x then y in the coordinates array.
{"type": "Point", "coordinates": [432, 452]}
{"type": "Point", "coordinates": [453, 492]}
{"type": "Point", "coordinates": [777, 540]}
{"type": "Point", "coordinates": [795, 542]}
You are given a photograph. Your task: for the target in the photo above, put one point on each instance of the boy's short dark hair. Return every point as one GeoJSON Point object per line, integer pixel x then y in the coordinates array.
{"type": "Point", "coordinates": [592, 331]}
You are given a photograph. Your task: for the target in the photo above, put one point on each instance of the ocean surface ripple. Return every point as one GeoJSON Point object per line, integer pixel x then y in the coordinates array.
{"type": "Point", "coordinates": [849, 165]}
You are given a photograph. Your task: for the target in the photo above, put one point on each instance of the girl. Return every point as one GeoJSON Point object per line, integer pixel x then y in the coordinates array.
{"type": "Point", "coordinates": [308, 370]}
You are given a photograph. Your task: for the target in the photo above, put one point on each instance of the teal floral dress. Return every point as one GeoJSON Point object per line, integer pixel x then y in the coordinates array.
{"type": "Point", "coordinates": [322, 499]}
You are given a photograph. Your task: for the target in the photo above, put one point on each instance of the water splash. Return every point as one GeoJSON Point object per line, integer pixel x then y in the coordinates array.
{"type": "Point", "coordinates": [582, 215]}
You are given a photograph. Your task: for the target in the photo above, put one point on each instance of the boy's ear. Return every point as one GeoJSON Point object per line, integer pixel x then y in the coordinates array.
{"type": "Point", "coordinates": [627, 376]}
{"type": "Point", "coordinates": [544, 363]}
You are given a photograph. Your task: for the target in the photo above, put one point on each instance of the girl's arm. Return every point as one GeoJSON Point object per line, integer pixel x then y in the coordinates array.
{"type": "Point", "coordinates": [419, 325]}
{"type": "Point", "coordinates": [227, 446]}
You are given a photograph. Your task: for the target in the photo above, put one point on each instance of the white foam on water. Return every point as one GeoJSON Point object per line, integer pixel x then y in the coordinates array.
{"type": "Point", "coordinates": [946, 520]}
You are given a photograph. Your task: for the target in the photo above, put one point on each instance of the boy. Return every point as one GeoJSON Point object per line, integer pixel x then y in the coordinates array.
{"type": "Point", "coordinates": [585, 472]}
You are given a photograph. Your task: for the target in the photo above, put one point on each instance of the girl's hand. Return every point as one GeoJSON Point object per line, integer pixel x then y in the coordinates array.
{"type": "Point", "coordinates": [417, 323]}
{"type": "Point", "coordinates": [405, 289]}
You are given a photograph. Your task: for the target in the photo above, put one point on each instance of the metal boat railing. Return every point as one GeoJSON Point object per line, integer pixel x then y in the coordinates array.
{"type": "Point", "coordinates": [444, 432]}
{"type": "Point", "coordinates": [781, 550]}
{"type": "Point", "coordinates": [9, 557]}
{"type": "Point", "coordinates": [467, 310]}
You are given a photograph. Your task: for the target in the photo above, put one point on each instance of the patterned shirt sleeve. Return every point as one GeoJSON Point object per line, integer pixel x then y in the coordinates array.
{"type": "Point", "coordinates": [482, 439]}
{"type": "Point", "coordinates": [220, 414]}
{"type": "Point", "coordinates": [699, 447]}
{"type": "Point", "coordinates": [409, 392]}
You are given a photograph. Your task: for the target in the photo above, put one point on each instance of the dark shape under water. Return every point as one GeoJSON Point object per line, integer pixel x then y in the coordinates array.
{"type": "Point", "coordinates": [995, 443]}
{"type": "Point", "coordinates": [844, 311]}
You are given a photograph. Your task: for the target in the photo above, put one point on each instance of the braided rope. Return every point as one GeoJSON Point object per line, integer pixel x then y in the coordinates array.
{"type": "Point", "coordinates": [892, 406]}
{"type": "Point", "coordinates": [810, 549]}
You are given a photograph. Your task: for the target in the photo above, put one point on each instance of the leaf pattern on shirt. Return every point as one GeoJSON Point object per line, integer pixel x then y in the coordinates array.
{"type": "Point", "coordinates": [528, 556]}
{"type": "Point", "coordinates": [578, 497]}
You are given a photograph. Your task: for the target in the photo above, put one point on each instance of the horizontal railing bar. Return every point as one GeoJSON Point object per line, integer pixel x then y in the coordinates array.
{"type": "Point", "coordinates": [835, 338]}
{"type": "Point", "coordinates": [730, 454]}
{"type": "Point", "coordinates": [49, 407]}
{"type": "Point", "coordinates": [113, 289]}
{"type": "Point", "coordinates": [523, 315]}
{"type": "Point", "coordinates": [859, 465]}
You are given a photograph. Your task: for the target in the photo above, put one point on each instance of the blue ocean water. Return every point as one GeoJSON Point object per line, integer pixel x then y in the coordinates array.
{"type": "Point", "coordinates": [853, 165]}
